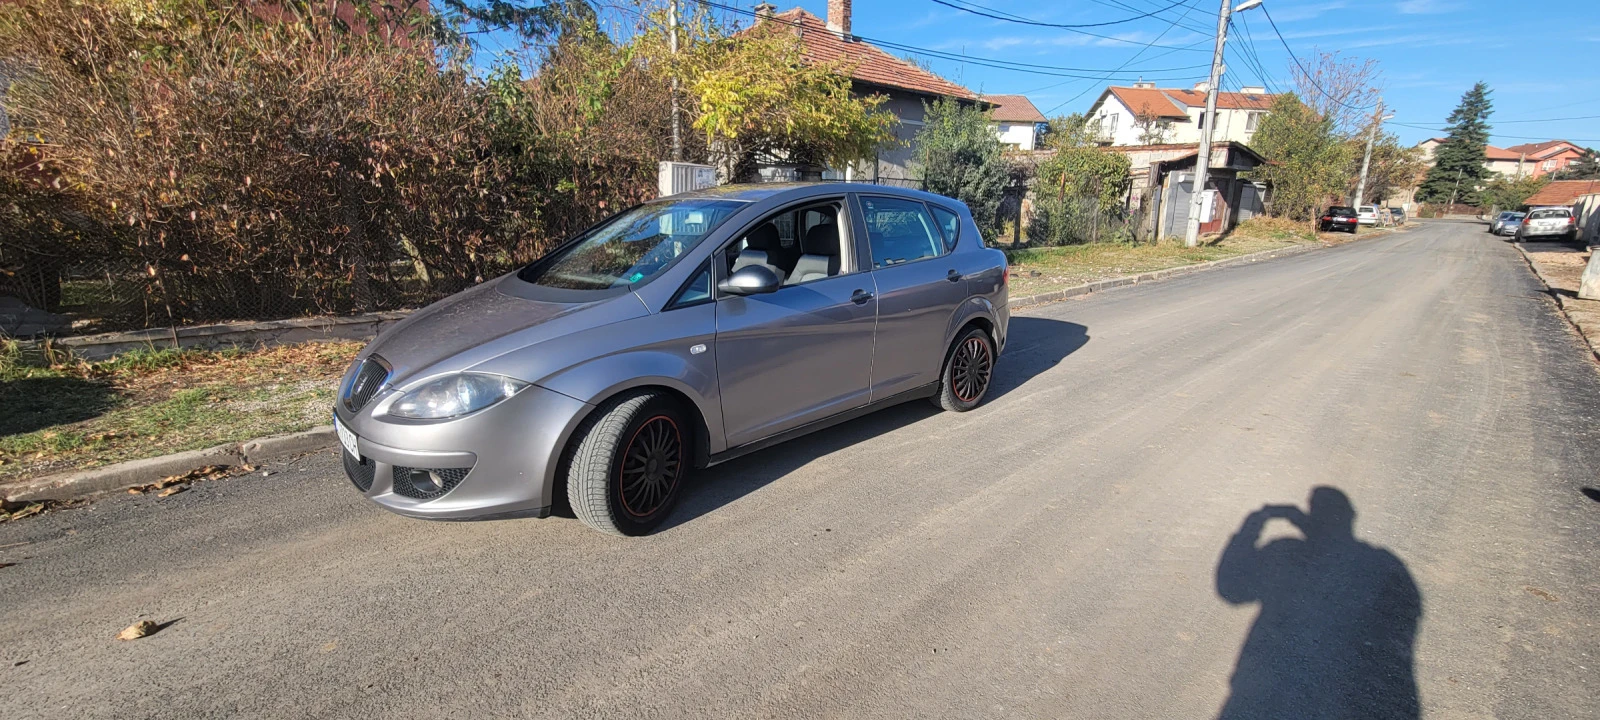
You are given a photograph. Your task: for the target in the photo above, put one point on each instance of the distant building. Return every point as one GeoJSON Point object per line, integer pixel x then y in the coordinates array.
{"type": "Point", "coordinates": [1016, 120]}
{"type": "Point", "coordinates": [1147, 115]}
{"type": "Point", "coordinates": [1529, 160]}
{"type": "Point", "coordinates": [872, 72]}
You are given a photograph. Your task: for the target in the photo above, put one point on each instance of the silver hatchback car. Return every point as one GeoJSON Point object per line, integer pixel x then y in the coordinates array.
{"type": "Point", "coordinates": [676, 334]}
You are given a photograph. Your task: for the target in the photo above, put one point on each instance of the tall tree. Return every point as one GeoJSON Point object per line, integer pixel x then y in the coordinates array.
{"type": "Point", "coordinates": [1308, 160]}
{"type": "Point", "coordinates": [1458, 164]}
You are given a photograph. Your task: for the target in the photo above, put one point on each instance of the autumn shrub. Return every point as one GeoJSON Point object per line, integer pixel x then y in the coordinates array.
{"type": "Point", "coordinates": [256, 167]}
{"type": "Point", "coordinates": [1079, 198]}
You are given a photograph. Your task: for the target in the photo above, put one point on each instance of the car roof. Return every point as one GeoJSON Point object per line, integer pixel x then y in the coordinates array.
{"type": "Point", "coordinates": [755, 192]}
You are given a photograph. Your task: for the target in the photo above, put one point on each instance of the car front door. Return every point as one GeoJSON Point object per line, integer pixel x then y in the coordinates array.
{"type": "Point", "coordinates": [920, 284]}
{"type": "Point", "coordinates": [804, 352]}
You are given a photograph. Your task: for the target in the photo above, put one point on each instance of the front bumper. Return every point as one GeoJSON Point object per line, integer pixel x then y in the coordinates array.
{"type": "Point", "coordinates": [501, 461]}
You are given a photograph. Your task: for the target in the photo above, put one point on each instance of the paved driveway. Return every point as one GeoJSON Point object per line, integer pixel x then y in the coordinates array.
{"type": "Point", "coordinates": [1114, 535]}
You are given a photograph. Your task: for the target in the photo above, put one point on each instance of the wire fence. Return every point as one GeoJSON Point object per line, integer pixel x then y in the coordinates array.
{"type": "Point", "coordinates": [54, 296]}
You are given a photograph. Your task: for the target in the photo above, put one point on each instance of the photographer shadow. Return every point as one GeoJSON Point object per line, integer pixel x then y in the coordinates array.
{"type": "Point", "coordinates": [1338, 621]}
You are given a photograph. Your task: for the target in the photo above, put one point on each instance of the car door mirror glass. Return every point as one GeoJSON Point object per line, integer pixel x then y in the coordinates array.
{"type": "Point", "coordinates": [751, 280]}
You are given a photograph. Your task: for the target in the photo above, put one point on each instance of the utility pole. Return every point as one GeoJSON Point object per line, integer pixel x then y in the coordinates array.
{"type": "Point", "coordinates": [1455, 189]}
{"type": "Point", "coordinates": [1208, 122]}
{"type": "Point", "coordinates": [677, 115]}
{"type": "Point", "coordinates": [1361, 187]}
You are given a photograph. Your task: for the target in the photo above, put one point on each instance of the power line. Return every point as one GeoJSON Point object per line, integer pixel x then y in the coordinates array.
{"type": "Point", "coordinates": [1498, 135]}
{"type": "Point", "coordinates": [1029, 68]}
{"type": "Point", "coordinates": [1025, 21]}
{"type": "Point", "coordinates": [1170, 25]}
{"type": "Point", "coordinates": [1309, 77]}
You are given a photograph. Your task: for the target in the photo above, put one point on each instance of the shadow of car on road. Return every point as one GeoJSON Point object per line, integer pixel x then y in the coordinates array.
{"type": "Point", "coordinates": [1338, 623]}
{"type": "Point", "coordinates": [1034, 346]}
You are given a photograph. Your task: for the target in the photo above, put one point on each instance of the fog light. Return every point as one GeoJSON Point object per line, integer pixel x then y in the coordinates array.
{"type": "Point", "coordinates": [426, 481]}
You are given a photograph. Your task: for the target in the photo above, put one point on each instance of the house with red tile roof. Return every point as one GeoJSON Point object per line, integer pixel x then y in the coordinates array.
{"type": "Point", "coordinates": [1147, 115]}
{"type": "Point", "coordinates": [873, 71]}
{"type": "Point", "coordinates": [1546, 158]}
{"type": "Point", "coordinates": [1016, 120]}
{"type": "Point", "coordinates": [1563, 193]}
{"type": "Point", "coordinates": [1519, 161]}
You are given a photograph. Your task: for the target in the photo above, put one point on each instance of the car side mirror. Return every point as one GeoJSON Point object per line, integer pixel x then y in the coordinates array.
{"type": "Point", "coordinates": [751, 280]}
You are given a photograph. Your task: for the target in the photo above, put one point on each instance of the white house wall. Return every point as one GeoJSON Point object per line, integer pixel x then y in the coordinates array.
{"type": "Point", "coordinates": [1018, 134]}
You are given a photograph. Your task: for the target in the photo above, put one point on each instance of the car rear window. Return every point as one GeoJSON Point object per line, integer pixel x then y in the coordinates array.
{"type": "Point", "coordinates": [1341, 210]}
{"type": "Point", "coordinates": [1547, 214]}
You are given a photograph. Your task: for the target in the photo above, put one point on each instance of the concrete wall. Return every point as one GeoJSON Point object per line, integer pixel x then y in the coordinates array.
{"type": "Point", "coordinates": [1587, 211]}
{"type": "Point", "coordinates": [895, 162]}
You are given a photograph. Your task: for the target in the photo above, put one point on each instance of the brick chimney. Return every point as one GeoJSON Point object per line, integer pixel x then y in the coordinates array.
{"type": "Point", "coordinates": [839, 18]}
{"type": "Point", "coordinates": [765, 11]}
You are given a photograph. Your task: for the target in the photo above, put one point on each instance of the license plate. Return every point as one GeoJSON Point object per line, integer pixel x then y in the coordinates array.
{"type": "Point", "coordinates": [346, 438]}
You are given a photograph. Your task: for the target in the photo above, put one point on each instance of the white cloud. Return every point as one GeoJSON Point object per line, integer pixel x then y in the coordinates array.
{"type": "Point", "coordinates": [1425, 7]}
{"type": "Point", "coordinates": [1306, 12]}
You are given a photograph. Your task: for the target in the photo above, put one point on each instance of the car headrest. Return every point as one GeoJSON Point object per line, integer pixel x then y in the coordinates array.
{"type": "Point", "coordinates": [764, 237]}
{"type": "Point", "coordinates": [821, 240]}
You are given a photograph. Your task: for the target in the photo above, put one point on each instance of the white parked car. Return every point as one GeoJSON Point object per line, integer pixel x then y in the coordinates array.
{"type": "Point", "coordinates": [1367, 215]}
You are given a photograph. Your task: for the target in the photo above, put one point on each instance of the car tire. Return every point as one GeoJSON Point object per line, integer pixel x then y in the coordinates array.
{"type": "Point", "coordinates": [968, 371]}
{"type": "Point", "coordinates": [631, 459]}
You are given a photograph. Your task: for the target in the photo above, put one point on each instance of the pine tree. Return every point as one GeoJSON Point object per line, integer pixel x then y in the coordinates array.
{"type": "Point", "coordinates": [1458, 164]}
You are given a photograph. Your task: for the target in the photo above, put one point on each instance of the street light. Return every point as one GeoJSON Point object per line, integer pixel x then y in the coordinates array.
{"type": "Point", "coordinates": [1208, 123]}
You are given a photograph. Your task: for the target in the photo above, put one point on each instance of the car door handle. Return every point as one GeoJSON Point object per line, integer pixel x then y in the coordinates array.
{"type": "Point", "coordinates": [860, 297]}
{"type": "Point", "coordinates": [953, 276]}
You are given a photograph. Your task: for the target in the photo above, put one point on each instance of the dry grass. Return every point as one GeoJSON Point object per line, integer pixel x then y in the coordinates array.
{"type": "Point", "coordinates": [155, 402]}
{"type": "Point", "coordinates": [1049, 269]}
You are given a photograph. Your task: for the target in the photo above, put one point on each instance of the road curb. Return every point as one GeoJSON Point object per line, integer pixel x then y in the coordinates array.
{"type": "Point", "coordinates": [1560, 300]}
{"type": "Point", "coordinates": [133, 473]}
{"type": "Point", "coordinates": [1107, 284]}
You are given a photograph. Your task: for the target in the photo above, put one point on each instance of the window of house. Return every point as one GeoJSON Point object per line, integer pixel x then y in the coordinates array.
{"type": "Point", "coordinates": [1549, 164]}
{"type": "Point", "coordinates": [1109, 122]}
{"type": "Point", "coordinates": [1252, 121]}
{"type": "Point", "coordinates": [1202, 125]}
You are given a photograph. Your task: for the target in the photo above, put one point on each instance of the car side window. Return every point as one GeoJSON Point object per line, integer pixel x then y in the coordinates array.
{"type": "Point", "coordinates": [798, 244]}
{"type": "Point", "coordinates": [696, 291]}
{"type": "Point", "coordinates": [949, 223]}
{"type": "Point", "coordinates": [899, 230]}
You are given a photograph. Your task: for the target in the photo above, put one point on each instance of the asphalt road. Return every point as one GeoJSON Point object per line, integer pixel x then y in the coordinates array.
{"type": "Point", "coordinates": [1067, 550]}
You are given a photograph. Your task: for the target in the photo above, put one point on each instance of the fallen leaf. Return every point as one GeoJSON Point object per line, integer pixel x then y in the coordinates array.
{"type": "Point", "coordinates": [138, 630]}
{"type": "Point", "coordinates": [174, 490]}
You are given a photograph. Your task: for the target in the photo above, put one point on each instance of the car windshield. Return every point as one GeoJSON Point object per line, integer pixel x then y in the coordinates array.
{"type": "Point", "coordinates": [632, 246]}
{"type": "Point", "coordinates": [1547, 214]}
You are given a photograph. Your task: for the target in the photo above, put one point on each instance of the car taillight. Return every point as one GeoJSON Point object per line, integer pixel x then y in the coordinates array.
{"type": "Point", "coordinates": [1326, 218]}
{"type": "Point", "coordinates": [1005, 277]}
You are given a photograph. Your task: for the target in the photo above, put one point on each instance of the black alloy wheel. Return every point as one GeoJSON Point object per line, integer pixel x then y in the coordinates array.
{"type": "Point", "coordinates": [967, 372]}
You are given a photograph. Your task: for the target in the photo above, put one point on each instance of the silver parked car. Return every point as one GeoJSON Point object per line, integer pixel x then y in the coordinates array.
{"type": "Point", "coordinates": [1548, 223]}
{"type": "Point", "coordinates": [677, 334]}
{"type": "Point", "coordinates": [1506, 222]}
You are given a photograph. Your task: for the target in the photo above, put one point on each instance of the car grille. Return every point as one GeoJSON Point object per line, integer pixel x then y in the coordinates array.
{"type": "Point", "coordinates": [427, 483]}
{"type": "Point", "coordinates": [361, 471]}
{"type": "Point", "coordinates": [367, 382]}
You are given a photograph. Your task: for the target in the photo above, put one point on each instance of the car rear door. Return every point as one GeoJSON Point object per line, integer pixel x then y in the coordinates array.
{"type": "Point", "coordinates": [801, 353]}
{"type": "Point", "coordinates": [920, 284]}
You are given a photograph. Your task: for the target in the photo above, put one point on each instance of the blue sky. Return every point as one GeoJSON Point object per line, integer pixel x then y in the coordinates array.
{"type": "Point", "coordinates": [1541, 62]}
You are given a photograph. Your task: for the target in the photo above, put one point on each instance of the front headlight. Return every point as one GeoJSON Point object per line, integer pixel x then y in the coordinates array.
{"type": "Point", "coordinates": [455, 395]}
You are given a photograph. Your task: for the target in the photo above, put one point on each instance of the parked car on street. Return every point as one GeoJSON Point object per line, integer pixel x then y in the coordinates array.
{"type": "Point", "coordinates": [1397, 215]}
{"type": "Point", "coordinates": [1511, 225]}
{"type": "Point", "coordinates": [1367, 215]}
{"type": "Point", "coordinates": [675, 335]}
{"type": "Point", "coordinates": [1498, 225]}
{"type": "Point", "coordinates": [1338, 217]}
{"type": "Point", "coordinates": [1555, 223]}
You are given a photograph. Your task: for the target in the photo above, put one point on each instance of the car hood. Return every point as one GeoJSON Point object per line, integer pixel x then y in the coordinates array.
{"type": "Point", "coordinates": [484, 322]}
